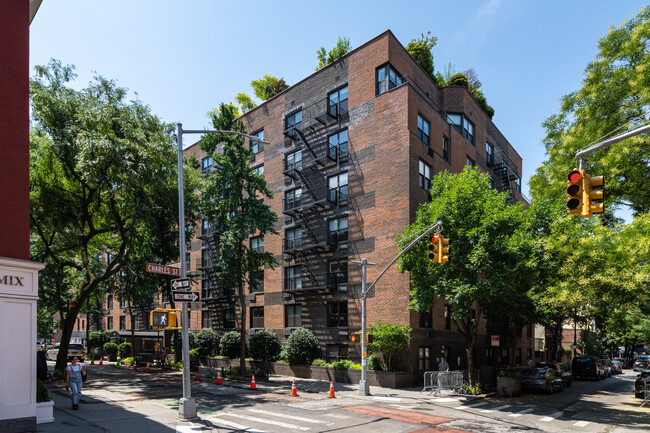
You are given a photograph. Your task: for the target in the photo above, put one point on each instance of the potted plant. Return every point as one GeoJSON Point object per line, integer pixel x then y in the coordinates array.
{"type": "Point", "coordinates": [509, 383]}
{"type": "Point", "coordinates": [44, 406]}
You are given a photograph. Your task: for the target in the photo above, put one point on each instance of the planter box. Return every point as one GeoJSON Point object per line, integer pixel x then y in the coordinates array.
{"type": "Point", "coordinates": [508, 386]}
{"type": "Point", "coordinates": [45, 412]}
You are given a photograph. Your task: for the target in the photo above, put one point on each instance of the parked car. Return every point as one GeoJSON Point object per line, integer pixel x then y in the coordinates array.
{"type": "Point", "coordinates": [587, 367]}
{"type": "Point", "coordinates": [640, 365]}
{"type": "Point", "coordinates": [623, 362]}
{"type": "Point", "coordinates": [543, 379]}
{"type": "Point", "coordinates": [639, 384]}
{"type": "Point", "coordinates": [561, 371]}
{"type": "Point", "coordinates": [617, 367]}
{"type": "Point", "coordinates": [607, 366]}
{"type": "Point", "coordinates": [73, 350]}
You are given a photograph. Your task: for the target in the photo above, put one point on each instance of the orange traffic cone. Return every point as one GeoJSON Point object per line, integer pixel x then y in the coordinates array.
{"type": "Point", "coordinates": [331, 393]}
{"type": "Point", "coordinates": [101, 359]}
{"type": "Point", "coordinates": [135, 366]}
{"type": "Point", "coordinates": [146, 370]}
{"type": "Point", "coordinates": [198, 373]}
{"type": "Point", "coordinates": [218, 377]}
{"type": "Point", "coordinates": [294, 391]}
{"type": "Point", "coordinates": [253, 386]}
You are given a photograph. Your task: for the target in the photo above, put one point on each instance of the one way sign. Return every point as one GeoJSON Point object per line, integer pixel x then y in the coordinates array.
{"type": "Point", "coordinates": [180, 283]}
{"type": "Point", "coordinates": [185, 296]}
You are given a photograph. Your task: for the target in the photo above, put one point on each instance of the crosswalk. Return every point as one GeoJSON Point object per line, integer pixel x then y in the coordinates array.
{"type": "Point", "coordinates": [271, 419]}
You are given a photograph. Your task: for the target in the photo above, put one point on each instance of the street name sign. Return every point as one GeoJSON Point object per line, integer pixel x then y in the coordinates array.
{"type": "Point", "coordinates": [162, 269]}
{"type": "Point", "coordinates": [185, 296]}
{"type": "Point", "coordinates": [180, 283]}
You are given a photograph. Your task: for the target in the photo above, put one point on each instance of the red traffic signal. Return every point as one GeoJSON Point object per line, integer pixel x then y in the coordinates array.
{"type": "Point", "coordinates": [433, 248]}
{"type": "Point", "coordinates": [574, 192]}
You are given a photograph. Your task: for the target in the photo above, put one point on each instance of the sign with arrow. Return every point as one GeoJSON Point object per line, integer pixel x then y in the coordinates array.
{"type": "Point", "coordinates": [180, 284]}
{"type": "Point", "coordinates": [185, 296]}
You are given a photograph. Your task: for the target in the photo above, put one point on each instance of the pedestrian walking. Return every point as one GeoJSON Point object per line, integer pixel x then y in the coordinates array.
{"type": "Point", "coordinates": [442, 365]}
{"type": "Point", "coordinates": [74, 379]}
{"type": "Point", "coordinates": [529, 362]}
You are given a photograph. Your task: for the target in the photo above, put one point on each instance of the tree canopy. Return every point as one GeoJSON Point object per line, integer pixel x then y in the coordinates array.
{"type": "Point", "coordinates": [324, 57]}
{"type": "Point", "coordinates": [420, 50]}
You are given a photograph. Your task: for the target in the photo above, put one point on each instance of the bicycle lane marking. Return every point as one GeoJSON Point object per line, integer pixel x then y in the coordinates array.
{"type": "Point", "coordinates": [398, 415]}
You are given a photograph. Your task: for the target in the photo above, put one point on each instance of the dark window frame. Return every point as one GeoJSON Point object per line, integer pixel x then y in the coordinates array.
{"type": "Point", "coordinates": [293, 279]}
{"type": "Point", "coordinates": [338, 271]}
{"type": "Point", "coordinates": [256, 319]}
{"type": "Point", "coordinates": [293, 316]}
{"type": "Point", "coordinates": [425, 359]}
{"type": "Point", "coordinates": [391, 79]}
{"type": "Point", "coordinates": [489, 153]}
{"type": "Point", "coordinates": [423, 180]}
{"type": "Point", "coordinates": [229, 317]}
{"type": "Point", "coordinates": [259, 277]}
{"type": "Point", "coordinates": [424, 137]}
{"type": "Point", "coordinates": [290, 120]}
{"type": "Point", "coordinates": [340, 148]}
{"type": "Point", "coordinates": [426, 319]}
{"type": "Point", "coordinates": [445, 148]}
{"type": "Point", "coordinates": [295, 164]}
{"type": "Point", "coordinates": [339, 235]}
{"type": "Point", "coordinates": [448, 317]}
{"type": "Point", "coordinates": [337, 314]}
{"type": "Point", "coordinates": [339, 192]}
{"type": "Point", "coordinates": [259, 244]}
{"type": "Point", "coordinates": [293, 202]}
{"type": "Point", "coordinates": [256, 146]}
{"type": "Point", "coordinates": [335, 108]}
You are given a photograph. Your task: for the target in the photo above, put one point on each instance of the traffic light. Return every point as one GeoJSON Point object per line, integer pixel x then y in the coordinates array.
{"type": "Point", "coordinates": [370, 338]}
{"type": "Point", "coordinates": [355, 338]}
{"type": "Point", "coordinates": [443, 249]}
{"type": "Point", "coordinates": [164, 319]}
{"type": "Point", "coordinates": [574, 193]}
{"type": "Point", "coordinates": [433, 249]}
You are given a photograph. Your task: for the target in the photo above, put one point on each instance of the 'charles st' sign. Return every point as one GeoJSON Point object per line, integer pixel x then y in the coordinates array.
{"type": "Point", "coordinates": [11, 280]}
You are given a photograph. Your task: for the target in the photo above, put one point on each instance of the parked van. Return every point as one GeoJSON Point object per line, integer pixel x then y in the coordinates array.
{"type": "Point", "coordinates": [587, 367]}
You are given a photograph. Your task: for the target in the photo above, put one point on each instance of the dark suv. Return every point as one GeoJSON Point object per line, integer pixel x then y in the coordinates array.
{"type": "Point", "coordinates": [587, 367]}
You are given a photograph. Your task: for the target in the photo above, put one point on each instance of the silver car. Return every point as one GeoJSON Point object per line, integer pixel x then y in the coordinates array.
{"type": "Point", "coordinates": [73, 350]}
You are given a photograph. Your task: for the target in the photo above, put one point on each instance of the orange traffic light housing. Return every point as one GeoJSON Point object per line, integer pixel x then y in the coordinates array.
{"type": "Point", "coordinates": [164, 318]}
{"type": "Point", "coordinates": [433, 249]}
{"type": "Point", "coordinates": [443, 249]}
{"type": "Point", "coordinates": [580, 193]}
{"type": "Point", "coordinates": [574, 193]}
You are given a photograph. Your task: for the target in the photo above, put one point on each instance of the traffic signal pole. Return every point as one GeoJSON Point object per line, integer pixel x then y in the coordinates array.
{"type": "Point", "coordinates": [580, 154]}
{"type": "Point", "coordinates": [364, 387]}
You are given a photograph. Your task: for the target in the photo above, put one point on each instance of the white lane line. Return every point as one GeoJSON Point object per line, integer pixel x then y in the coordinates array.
{"type": "Point", "coordinates": [581, 423]}
{"type": "Point", "coordinates": [471, 406]}
{"type": "Point", "coordinates": [494, 409]}
{"type": "Point", "coordinates": [551, 417]}
{"type": "Point", "coordinates": [445, 400]}
{"type": "Point", "coordinates": [297, 418]}
{"type": "Point", "coordinates": [189, 428]}
{"type": "Point", "coordinates": [337, 416]}
{"type": "Point", "coordinates": [235, 425]}
{"type": "Point", "coordinates": [387, 398]}
{"type": "Point", "coordinates": [266, 421]}
{"type": "Point", "coordinates": [521, 412]}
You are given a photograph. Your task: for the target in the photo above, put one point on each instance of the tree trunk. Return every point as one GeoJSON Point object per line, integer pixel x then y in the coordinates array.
{"type": "Point", "coordinates": [242, 352]}
{"type": "Point", "coordinates": [66, 332]}
{"type": "Point", "coordinates": [130, 306]}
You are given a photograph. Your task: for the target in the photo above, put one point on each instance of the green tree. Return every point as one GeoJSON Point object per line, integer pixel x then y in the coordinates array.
{"type": "Point", "coordinates": [245, 102]}
{"type": "Point", "coordinates": [103, 179]}
{"type": "Point", "coordinates": [389, 339]}
{"type": "Point", "coordinates": [265, 88]}
{"type": "Point", "coordinates": [420, 50]}
{"type": "Point", "coordinates": [490, 248]}
{"type": "Point", "coordinates": [341, 48]}
{"type": "Point", "coordinates": [615, 91]}
{"type": "Point", "coordinates": [234, 196]}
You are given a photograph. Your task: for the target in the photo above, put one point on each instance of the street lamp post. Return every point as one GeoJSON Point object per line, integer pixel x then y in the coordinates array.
{"type": "Point", "coordinates": [187, 404]}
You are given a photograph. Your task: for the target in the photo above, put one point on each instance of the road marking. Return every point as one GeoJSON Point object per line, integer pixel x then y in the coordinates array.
{"type": "Point", "coordinates": [444, 400]}
{"type": "Point", "coordinates": [521, 412]}
{"type": "Point", "coordinates": [387, 398]}
{"type": "Point", "coordinates": [581, 423]}
{"type": "Point", "coordinates": [297, 418]}
{"type": "Point", "coordinates": [337, 416]}
{"type": "Point", "coordinates": [551, 417]}
{"type": "Point", "coordinates": [266, 421]}
{"type": "Point", "coordinates": [472, 406]}
{"type": "Point", "coordinates": [234, 425]}
{"type": "Point", "coordinates": [494, 409]}
{"type": "Point", "coordinates": [189, 428]}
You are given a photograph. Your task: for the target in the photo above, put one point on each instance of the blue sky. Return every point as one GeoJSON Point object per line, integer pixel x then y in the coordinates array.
{"type": "Point", "coordinates": [185, 57]}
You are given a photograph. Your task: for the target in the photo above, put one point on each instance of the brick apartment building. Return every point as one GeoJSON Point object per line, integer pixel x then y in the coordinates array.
{"type": "Point", "coordinates": [353, 148]}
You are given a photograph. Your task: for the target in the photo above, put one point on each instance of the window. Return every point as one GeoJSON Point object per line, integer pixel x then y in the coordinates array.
{"type": "Point", "coordinates": [187, 261]}
{"type": "Point", "coordinates": [293, 238]}
{"type": "Point", "coordinates": [448, 317]}
{"type": "Point", "coordinates": [206, 289]}
{"type": "Point", "coordinates": [338, 188]}
{"type": "Point", "coordinates": [206, 164]}
{"type": "Point", "coordinates": [83, 325]}
{"type": "Point", "coordinates": [109, 323]}
{"type": "Point", "coordinates": [338, 144]}
{"type": "Point", "coordinates": [110, 302]}
{"type": "Point", "coordinates": [426, 319]}
{"type": "Point", "coordinates": [469, 162]}
{"type": "Point", "coordinates": [423, 129]}
{"type": "Point", "coordinates": [257, 244]}
{"type": "Point", "coordinates": [424, 358]}
{"type": "Point", "coordinates": [257, 317]}
{"type": "Point", "coordinates": [387, 79]}
{"type": "Point", "coordinates": [206, 261]}
{"type": "Point", "coordinates": [336, 352]}
{"type": "Point", "coordinates": [518, 359]}
{"type": "Point", "coordinates": [293, 278]}
{"type": "Point", "coordinates": [293, 160]}
{"type": "Point", "coordinates": [294, 121]}
{"type": "Point", "coordinates": [122, 303]}
{"type": "Point", "coordinates": [256, 146]}
{"type": "Point", "coordinates": [337, 314]}
{"type": "Point", "coordinates": [463, 125]}
{"type": "Point", "coordinates": [257, 286]}
{"type": "Point", "coordinates": [529, 330]}
{"type": "Point", "coordinates": [206, 319]}
{"type": "Point", "coordinates": [292, 199]}
{"type": "Point", "coordinates": [259, 170]}
{"type": "Point", "coordinates": [424, 179]}
{"type": "Point", "coordinates": [518, 183]}
{"type": "Point", "coordinates": [489, 153]}
{"type": "Point", "coordinates": [337, 102]}
{"type": "Point", "coordinates": [338, 230]}
{"type": "Point", "coordinates": [229, 318]}
{"type": "Point", "coordinates": [293, 316]}
{"type": "Point", "coordinates": [122, 323]}
{"type": "Point", "coordinates": [445, 148]}
{"type": "Point", "coordinates": [205, 226]}
{"type": "Point", "coordinates": [136, 322]}
{"type": "Point", "coordinates": [338, 271]}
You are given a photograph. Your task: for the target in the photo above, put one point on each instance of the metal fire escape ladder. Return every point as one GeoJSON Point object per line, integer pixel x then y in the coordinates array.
{"type": "Point", "coordinates": [505, 172]}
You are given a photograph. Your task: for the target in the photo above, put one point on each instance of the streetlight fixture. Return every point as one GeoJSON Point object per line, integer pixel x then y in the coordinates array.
{"type": "Point", "coordinates": [187, 404]}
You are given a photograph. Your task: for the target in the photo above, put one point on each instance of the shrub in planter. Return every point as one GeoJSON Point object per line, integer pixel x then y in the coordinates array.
{"type": "Point", "coordinates": [264, 346]}
{"type": "Point", "coordinates": [206, 342]}
{"type": "Point", "coordinates": [302, 347]}
{"type": "Point", "coordinates": [230, 344]}
{"type": "Point", "coordinates": [125, 350]}
{"type": "Point", "coordinates": [97, 339]}
{"type": "Point", "coordinates": [320, 363]}
{"type": "Point", "coordinates": [342, 364]}
{"type": "Point", "coordinates": [374, 363]}
{"type": "Point", "coordinates": [128, 360]}
{"type": "Point", "coordinates": [111, 349]}
{"type": "Point", "coordinates": [42, 394]}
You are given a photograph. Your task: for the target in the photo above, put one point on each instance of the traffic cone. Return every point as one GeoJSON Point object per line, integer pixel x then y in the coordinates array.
{"type": "Point", "coordinates": [331, 393]}
{"type": "Point", "coordinates": [135, 366]}
{"type": "Point", "coordinates": [218, 377]}
{"type": "Point", "coordinates": [101, 360]}
{"type": "Point", "coordinates": [117, 364]}
{"type": "Point", "coordinates": [294, 391]}
{"type": "Point", "coordinates": [198, 373]}
{"type": "Point", "coordinates": [146, 370]}
{"type": "Point", "coordinates": [253, 386]}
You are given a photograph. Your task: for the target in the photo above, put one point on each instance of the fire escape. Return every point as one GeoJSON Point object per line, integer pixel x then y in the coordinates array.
{"type": "Point", "coordinates": [213, 293]}
{"type": "Point", "coordinates": [506, 173]}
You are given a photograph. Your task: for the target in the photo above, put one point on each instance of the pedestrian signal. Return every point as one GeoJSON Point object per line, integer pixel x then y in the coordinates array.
{"type": "Point", "coordinates": [164, 319]}
{"type": "Point", "coordinates": [355, 338]}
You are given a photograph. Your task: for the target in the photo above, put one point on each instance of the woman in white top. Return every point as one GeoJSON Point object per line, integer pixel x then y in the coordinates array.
{"type": "Point", "coordinates": [74, 379]}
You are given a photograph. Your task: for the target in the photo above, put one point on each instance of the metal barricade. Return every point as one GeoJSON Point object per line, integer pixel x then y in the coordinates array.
{"type": "Point", "coordinates": [646, 393]}
{"type": "Point", "coordinates": [430, 381]}
{"type": "Point", "coordinates": [449, 380]}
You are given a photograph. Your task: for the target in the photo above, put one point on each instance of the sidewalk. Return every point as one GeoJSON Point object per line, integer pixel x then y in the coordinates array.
{"type": "Point", "coordinates": [127, 410]}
